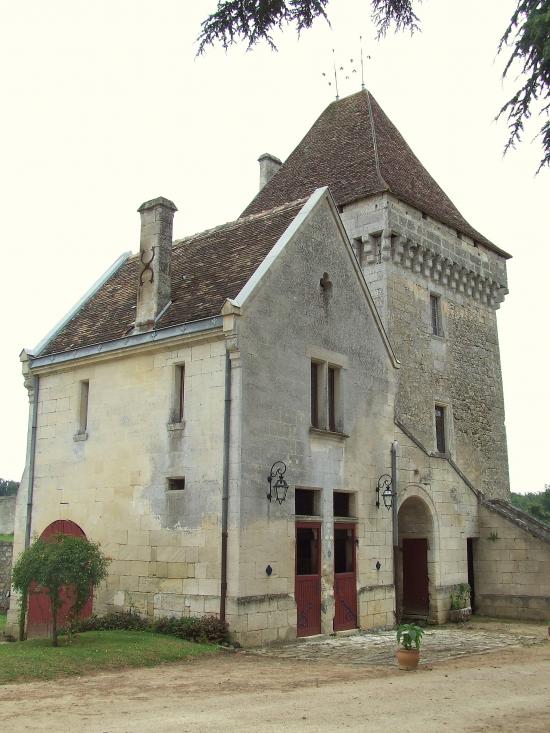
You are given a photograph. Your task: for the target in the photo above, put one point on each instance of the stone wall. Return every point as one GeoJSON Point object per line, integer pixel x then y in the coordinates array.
{"type": "Point", "coordinates": [112, 481]}
{"type": "Point", "coordinates": [511, 564]}
{"type": "Point", "coordinates": [406, 257]}
{"type": "Point", "coordinates": [289, 322]}
{"type": "Point", "coordinates": [6, 549]}
{"type": "Point", "coordinates": [7, 514]}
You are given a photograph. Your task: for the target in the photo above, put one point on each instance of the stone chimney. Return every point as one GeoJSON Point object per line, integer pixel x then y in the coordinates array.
{"type": "Point", "coordinates": [269, 165]}
{"type": "Point", "coordinates": [155, 253]}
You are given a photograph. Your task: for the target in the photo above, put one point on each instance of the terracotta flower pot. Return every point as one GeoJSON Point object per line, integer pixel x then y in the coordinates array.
{"type": "Point", "coordinates": [407, 658]}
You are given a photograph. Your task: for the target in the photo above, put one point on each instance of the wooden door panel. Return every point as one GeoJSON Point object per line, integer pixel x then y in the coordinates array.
{"type": "Point", "coordinates": [308, 578]}
{"type": "Point", "coordinates": [39, 615]}
{"type": "Point", "coordinates": [415, 576]}
{"type": "Point", "coordinates": [345, 582]}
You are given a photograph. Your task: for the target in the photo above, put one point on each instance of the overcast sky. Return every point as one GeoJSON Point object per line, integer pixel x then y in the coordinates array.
{"type": "Point", "coordinates": [104, 106]}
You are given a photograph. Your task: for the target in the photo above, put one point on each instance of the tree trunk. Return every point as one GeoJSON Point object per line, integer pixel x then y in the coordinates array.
{"type": "Point", "coordinates": [23, 615]}
{"type": "Point", "coordinates": [54, 626]}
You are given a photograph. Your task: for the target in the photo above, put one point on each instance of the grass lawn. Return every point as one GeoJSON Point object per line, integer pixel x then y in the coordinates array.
{"type": "Point", "coordinates": [93, 651]}
{"type": "Point", "coordinates": [6, 537]}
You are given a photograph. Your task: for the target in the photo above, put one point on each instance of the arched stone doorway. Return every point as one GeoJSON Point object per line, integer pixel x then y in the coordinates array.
{"type": "Point", "coordinates": [416, 562]}
{"type": "Point", "coordinates": [39, 615]}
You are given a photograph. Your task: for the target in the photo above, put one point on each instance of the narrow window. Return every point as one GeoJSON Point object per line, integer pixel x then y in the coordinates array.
{"type": "Point", "coordinates": [176, 484]}
{"type": "Point", "coordinates": [378, 248]}
{"type": "Point", "coordinates": [83, 407]}
{"type": "Point", "coordinates": [332, 399]}
{"type": "Point", "coordinates": [305, 502]}
{"type": "Point", "coordinates": [178, 404]}
{"type": "Point", "coordinates": [440, 429]}
{"type": "Point", "coordinates": [342, 504]}
{"type": "Point", "coordinates": [314, 394]}
{"type": "Point", "coordinates": [435, 309]}
{"type": "Point", "coordinates": [358, 249]}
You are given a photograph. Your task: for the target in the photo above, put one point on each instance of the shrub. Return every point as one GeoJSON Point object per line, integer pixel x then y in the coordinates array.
{"type": "Point", "coordinates": [460, 597]}
{"type": "Point", "coordinates": [55, 565]}
{"type": "Point", "coordinates": [114, 621]}
{"type": "Point", "coordinates": [200, 629]}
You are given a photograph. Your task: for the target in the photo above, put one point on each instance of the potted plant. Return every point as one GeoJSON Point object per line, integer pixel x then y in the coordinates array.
{"type": "Point", "coordinates": [410, 638]}
{"type": "Point", "coordinates": [460, 604]}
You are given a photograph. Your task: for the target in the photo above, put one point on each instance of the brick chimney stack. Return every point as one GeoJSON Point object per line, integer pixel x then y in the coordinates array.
{"type": "Point", "coordinates": [269, 165]}
{"type": "Point", "coordinates": [155, 252]}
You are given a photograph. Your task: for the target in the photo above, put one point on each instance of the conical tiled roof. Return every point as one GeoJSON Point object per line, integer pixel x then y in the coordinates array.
{"type": "Point", "coordinates": [355, 150]}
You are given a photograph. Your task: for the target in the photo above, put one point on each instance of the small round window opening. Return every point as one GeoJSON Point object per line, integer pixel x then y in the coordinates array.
{"type": "Point", "coordinates": [325, 283]}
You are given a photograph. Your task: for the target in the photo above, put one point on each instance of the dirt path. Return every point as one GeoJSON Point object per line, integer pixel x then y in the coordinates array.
{"type": "Point", "coordinates": [498, 691]}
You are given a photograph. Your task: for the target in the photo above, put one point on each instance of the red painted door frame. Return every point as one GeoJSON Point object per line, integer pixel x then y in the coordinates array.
{"type": "Point", "coordinates": [345, 578]}
{"type": "Point", "coordinates": [308, 578]}
{"type": "Point", "coordinates": [39, 615]}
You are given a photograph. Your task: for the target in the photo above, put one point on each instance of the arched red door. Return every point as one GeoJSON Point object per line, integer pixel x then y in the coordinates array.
{"type": "Point", "coordinates": [39, 615]}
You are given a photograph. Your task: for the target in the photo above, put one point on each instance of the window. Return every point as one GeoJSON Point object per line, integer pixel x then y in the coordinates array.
{"type": "Point", "coordinates": [435, 312]}
{"type": "Point", "coordinates": [315, 369]}
{"type": "Point", "coordinates": [306, 502]}
{"type": "Point", "coordinates": [332, 399]}
{"type": "Point", "coordinates": [326, 400]}
{"type": "Point", "coordinates": [440, 437]}
{"type": "Point", "coordinates": [176, 484]}
{"type": "Point", "coordinates": [358, 249]}
{"type": "Point", "coordinates": [342, 502]}
{"type": "Point", "coordinates": [179, 401]}
{"type": "Point", "coordinates": [83, 407]}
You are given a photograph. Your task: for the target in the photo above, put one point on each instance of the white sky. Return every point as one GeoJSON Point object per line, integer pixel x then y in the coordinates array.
{"type": "Point", "coordinates": [104, 106]}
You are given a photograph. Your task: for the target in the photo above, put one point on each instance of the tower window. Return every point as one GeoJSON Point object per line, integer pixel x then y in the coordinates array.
{"type": "Point", "coordinates": [435, 311]}
{"type": "Point", "coordinates": [440, 438]}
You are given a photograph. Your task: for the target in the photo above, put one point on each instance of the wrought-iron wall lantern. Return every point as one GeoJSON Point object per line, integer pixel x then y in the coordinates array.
{"type": "Point", "coordinates": [277, 484]}
{"type": "Point", "coordinates": [384, 485]}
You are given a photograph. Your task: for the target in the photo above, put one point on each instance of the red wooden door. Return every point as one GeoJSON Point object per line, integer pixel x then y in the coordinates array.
{"type": "Point", "coordinates": [415, 576]}
{"type": "Point", "coordinates": [308, 578]}
{"type": "Point", "coordinates": [39, 611]}
{"type": "Point", "coordinates": [345, 584]}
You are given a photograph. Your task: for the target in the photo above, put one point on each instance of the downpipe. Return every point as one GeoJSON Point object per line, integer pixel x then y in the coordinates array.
{"type": "Point", "coordinates": [395, 528]}
{"type": "Point", "coordinates": [225, 483]}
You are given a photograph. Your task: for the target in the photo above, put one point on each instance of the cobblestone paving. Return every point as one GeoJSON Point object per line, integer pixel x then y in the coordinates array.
{"type": "Point", "coordinates": [378, 648]}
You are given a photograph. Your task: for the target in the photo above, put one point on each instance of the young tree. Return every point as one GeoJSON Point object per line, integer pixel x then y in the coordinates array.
{"type": "Point", "coordinates": [7, 487]}
{"type": "Point", "coordinates": [64, 567]}
{"type": "Point", "coordinates": [528, 34]}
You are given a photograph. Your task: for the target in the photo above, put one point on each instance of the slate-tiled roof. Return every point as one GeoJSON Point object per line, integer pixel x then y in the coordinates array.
{"type": "Point", "coordinates": [207, 268]}
{"type": "Point", "coordinates": [355, 150]}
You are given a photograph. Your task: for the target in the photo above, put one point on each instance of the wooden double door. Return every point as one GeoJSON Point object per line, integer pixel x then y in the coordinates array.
{"type": "Point", "coordinates": [308, 578]}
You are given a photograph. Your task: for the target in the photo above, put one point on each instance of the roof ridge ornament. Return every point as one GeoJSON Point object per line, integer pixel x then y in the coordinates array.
{"type": "Point", "coordinates": [345, 71]}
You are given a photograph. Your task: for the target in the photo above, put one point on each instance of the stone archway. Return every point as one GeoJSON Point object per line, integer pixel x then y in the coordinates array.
{"type": "Point", "coordinates": [416, 562]}
{"type": "Point", "coordinates": [39, 615]}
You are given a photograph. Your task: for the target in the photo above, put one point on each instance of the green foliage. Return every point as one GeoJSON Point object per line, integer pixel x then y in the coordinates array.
{"type": "Point", "coordinates": [199, 629]}
{"type": "Point", "coordinates": [6, 538]}
{"type": "Point", "coordinates": [254, 20]}
{"type": "Point", "coordinates": [92, 652]}
{"type": "Point", "coordinates": [115, 621]}
{"type": "Point", "coordinates": [528, 34]}
{"type": "Point", "coordinates": [7, 487]}
{"type": "Point", "coordinates": [460, 597]}
{"type": "Point", "coordinates": [57, 563]}
{"type": "Point", "coordinates": [537, 504]}
{"type": "Point", "coordinates": [3, 617]}
{"type": "Point", "coordinates": [409, 634]}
